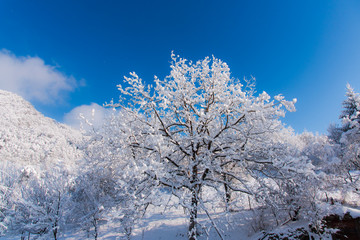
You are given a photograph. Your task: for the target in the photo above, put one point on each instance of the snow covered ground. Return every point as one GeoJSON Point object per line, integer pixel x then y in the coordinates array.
{"type": "Point", "coordinates": [173, 226]}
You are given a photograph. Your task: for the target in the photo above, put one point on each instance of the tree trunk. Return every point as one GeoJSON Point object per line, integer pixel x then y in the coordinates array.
{"type": "Point", "coordinates": [55, 233]}
{"type": "Point", "coordinates": [227, 193]}
{"type": "Point", "coordinates": [22, 237]}
{"type": "Point", "coordinates": [193, 216]}
{"type": "Point", "coordinates": [192, 233]}
{"type": "Point", "coordinates": [55, 225]}
{"type": "Point", "coordinates": [95, 223]}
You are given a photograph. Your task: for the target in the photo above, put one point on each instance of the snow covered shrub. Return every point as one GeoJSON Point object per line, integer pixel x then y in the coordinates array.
{"type": "Point", "coordinates": [110, 187]}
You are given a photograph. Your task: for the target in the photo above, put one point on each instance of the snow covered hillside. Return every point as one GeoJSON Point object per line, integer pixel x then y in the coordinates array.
{"type": "Point", "coordinates": [29, 138]}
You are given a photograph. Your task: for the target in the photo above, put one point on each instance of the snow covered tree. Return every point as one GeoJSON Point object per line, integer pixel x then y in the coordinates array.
{"type": "Point", "coordinates": [9, 175]}
{"type": "Point", "coordinates": [351, 107]}
{"type": "Point", "coordinates": [346, 142]}
{"type": "Point", "coordinates": [350, 138]}
{"type": "Point", "coordinates": [38, 204]}
{"type": "Point", "coordinates": [88, 207]}
{"type": "Point", "coordinates": [108, 187]}
{"type": "Point", "coordinates": [347, 136]}
{"type": "Point", "coordinates": [199, 129]}
{"type": "Point", "coordinates": [349, 115]}
{"type": "Point", "coordinates": [288, 192]}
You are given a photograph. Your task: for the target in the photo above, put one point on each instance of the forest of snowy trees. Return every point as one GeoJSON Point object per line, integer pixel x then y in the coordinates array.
{"type": "Point", "coordinates": [199, 140]}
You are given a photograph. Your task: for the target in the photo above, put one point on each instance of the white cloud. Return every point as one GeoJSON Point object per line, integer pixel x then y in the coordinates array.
{"type": "Point", "coordinates": [80, 117]}
{"type": "Point", "coordinates": [31, 78]}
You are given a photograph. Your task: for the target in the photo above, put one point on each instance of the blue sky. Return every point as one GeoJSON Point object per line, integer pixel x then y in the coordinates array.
{"type": "Point", "coordinates": [307, 50]}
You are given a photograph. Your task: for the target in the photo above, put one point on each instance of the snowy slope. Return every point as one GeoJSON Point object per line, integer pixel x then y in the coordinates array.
{"type": "Point", "coordinates": [29, 138]}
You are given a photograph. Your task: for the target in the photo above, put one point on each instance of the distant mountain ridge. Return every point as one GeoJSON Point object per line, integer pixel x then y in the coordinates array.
{"type": "Point", "coordinates": [29, 138]}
